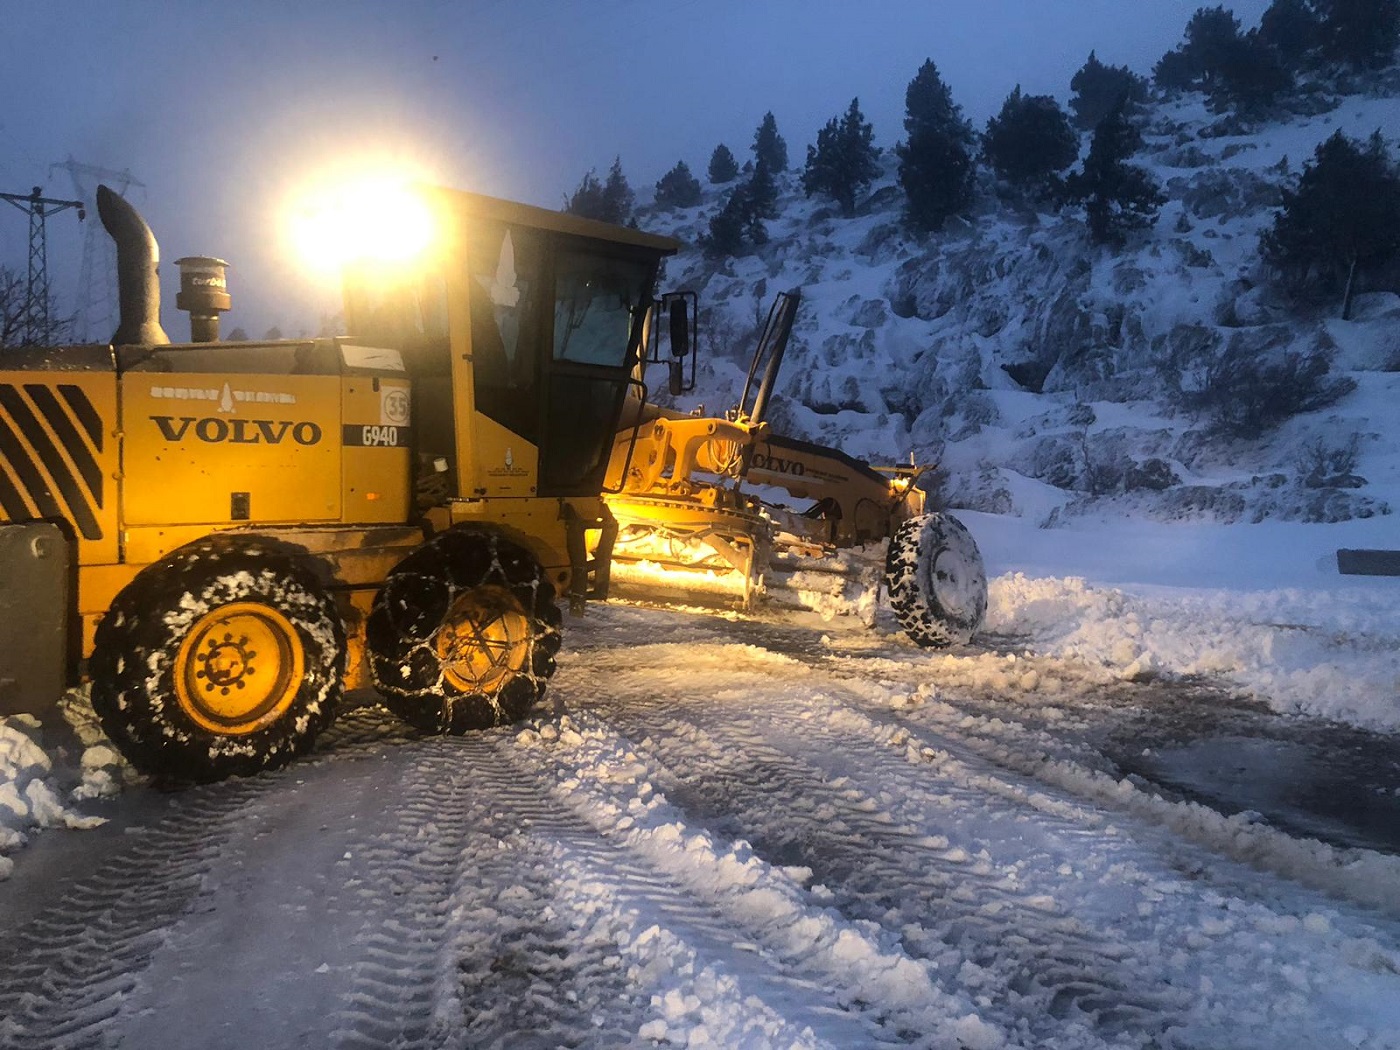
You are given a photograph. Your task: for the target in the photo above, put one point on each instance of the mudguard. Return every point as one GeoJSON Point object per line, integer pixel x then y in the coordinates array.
{"type": "Point", "coordinates": [36, 565]}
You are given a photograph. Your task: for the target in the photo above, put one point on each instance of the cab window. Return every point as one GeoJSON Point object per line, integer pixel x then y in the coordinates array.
{"type": "Point", "coordinates": [596, 301]}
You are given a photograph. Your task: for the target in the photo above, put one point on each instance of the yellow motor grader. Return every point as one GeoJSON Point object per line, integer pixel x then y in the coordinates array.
{"type": "Point", "coordinates": [712, 507]}
{"type": "Point", "coordinates": [226, 535]}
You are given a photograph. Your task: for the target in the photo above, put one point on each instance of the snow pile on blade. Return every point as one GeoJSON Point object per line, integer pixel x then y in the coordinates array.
{"type": "Point", "coordinates": [837, 583]}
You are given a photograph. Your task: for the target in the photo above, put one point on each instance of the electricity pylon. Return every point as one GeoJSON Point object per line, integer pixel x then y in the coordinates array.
{"type": "Point", "coordinates": [34, 327]}
{"type": "Point", "coordinates": [93, 319]}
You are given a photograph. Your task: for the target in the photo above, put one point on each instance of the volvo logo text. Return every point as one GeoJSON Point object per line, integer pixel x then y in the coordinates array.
{"type": "Point", "coordinates": [778, 465]}
{"type": "Point", "coordinates": [214, 430]}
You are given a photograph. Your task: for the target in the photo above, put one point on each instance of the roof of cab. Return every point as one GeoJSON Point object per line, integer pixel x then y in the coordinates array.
{"type": "Point", "coordinates": [494, 208]}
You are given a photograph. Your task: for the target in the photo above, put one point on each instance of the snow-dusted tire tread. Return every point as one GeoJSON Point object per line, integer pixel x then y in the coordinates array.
{"type": "Point", "coordinates": [133, 664]}
{"type": "Point", "coordinates": [936, 582]}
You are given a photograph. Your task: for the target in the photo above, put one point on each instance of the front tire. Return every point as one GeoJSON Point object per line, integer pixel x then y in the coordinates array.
{"type": "Point", "coordinates": [936, 581]}
{"type": "Point", "coordinates": [464, 633]}
{"type": "Point", "coordinates": [223, 659]}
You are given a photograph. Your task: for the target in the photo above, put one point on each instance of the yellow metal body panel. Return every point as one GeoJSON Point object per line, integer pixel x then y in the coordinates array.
{"type": "Point", "coordinates": [375, 457]}
{"type": "Point", "coordinates": [210, 448]}
{"type": "Point", "coordinates": [98, 586]}
{"type": "Point", "coordinates": [500, 463]}
{"type": "Point", "coordinates": [58, 444]}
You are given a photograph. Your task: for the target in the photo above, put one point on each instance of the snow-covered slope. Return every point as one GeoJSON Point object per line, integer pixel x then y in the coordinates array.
{"type": "Point", "coordinates": [903, 344]}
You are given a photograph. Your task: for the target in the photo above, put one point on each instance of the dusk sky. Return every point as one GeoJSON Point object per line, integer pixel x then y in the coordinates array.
{"type": "Point", "coordinates": [222, 111]}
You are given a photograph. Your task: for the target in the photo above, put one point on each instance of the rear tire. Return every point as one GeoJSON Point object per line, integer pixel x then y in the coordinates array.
{"type": "Point", "coordinates": [936, 582]}
{"type": "Point", "coordinates": [223, 659]}
{"type": "Point", "coordinates": [464, 633]}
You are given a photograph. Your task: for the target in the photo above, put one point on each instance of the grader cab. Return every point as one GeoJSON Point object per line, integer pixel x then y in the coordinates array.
{"type": "Point", "coordinates": [226, 535]}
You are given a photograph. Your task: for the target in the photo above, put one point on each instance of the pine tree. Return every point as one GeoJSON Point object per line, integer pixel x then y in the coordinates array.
{"type": "Point", "coordinates": [1251, 76]}
{"type": "Point", "coordinates": [762, 191]}
{"type": "Point", "coordinates": [1292, 29]}
{"type": "Point", "coordinates": [678, 188]}
{"type": "Point", "coordinates": [1211, 36]}
{"type": "Point", "coordinates": [1342, 221]}
{"type": "Point", "coordinates": [726, 232]}
{"type": "Point", "coordinates": [1117, 196]}
{"type": "Point", "coordinates": [1030, 141]}
{"type": "Point", "coordinates": [736, 227]}
{"type": "Point", "coordinates": [1174, 71]}
{"type": "Point", "coordinates": [1360, 33]}
{"type": "Point", "coordinates": [618, 198]}
{"type": "Point", "coordinates": [1237, 71]}
{"type": "Point", "coordinates": [723, 166]}
{"type": "Point", "coordinates": [587, 198]}
{"type": "Point", "coordinates": [936, 164]}
{"type": "Point", "coordinates": [769, 146]}
{"type": "Point", "coordinates": [1098, 88]}
{"type": "Point", "coordinates": [843, 161]}
{"type": "Point", "coordinates": [609, 201]}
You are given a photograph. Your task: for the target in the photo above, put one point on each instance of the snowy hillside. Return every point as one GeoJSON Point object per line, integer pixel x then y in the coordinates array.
{"type": "Point", "coordinates": [909, 345]}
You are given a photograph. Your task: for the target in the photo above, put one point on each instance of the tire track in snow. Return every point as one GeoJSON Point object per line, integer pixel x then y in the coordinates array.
{"type": "Point", "coordinates": [649, 938]}
{"type": "Point", "coordinates": [946, 904]}
{"type": "Point", "coordinates": [1175, 902]}
{"type": "Point", "coordinates": [1147, 884]}
{"type": "Point", "coordinates": [464, 934]}
{"type": "Point", "coordinates": [68, 975]}
{"type": "Point", "coordinates": [864, 967]}
{"type": "Point", "coordinates": [969, 726]}
{"type": "Point", "coordinates": [1360, 876]}
{"type": "Point", "coordinates": [506, 920]}
{"type": "Point", "coordinates": [65, 975]}
{"type": "Point", "coordinates": [398, 984]}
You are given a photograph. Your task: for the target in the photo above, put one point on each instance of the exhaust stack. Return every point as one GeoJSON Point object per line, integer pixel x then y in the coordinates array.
{"type": "Point", "coordinates": [138, 288]}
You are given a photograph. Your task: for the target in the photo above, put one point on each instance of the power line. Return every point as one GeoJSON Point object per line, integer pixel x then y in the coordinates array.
{"type": "Point", "coordinates": [35, 324]}
{"type": "Point", "coordinates": [97, 291]}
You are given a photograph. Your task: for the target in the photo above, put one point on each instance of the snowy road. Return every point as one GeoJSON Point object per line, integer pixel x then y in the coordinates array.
{"type": "Point", "coordinates": [729, 834]}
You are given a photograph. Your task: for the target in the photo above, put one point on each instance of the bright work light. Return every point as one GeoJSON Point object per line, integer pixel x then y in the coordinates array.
{"type": "Point", "coordinates": [370, 219]}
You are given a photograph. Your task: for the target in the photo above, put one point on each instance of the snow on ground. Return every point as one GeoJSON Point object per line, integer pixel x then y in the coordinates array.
{"type": "Point", "coordinates": [1261, 608]}
{"type": "Point", "coordinates": [28, 797]}
{"type": "Point", "coordinates": [771, 832]}
{"type": "Point", "coordinates": [735, 833]}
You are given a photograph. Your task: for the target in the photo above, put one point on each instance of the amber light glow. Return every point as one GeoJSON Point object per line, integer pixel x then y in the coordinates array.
{"type": "Point", "coordinates": [377, 219]}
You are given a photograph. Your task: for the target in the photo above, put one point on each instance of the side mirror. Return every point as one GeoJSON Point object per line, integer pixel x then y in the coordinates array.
{"type": "Point", "coordinates": [680, 329]}
{"type": "Point", "coordinates": [677, 370]}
